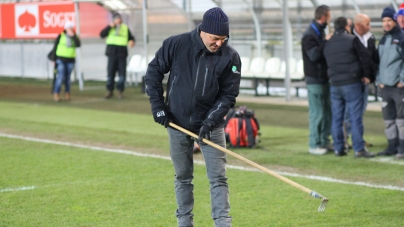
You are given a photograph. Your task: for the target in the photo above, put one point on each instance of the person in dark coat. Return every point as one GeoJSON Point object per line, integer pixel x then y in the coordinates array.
{"type": "Point", "coordinates": [315, 72]}
{"type": "Point", "coordinates": [203, 85]}
{"type": "Point", "coordinates": [349, 69]}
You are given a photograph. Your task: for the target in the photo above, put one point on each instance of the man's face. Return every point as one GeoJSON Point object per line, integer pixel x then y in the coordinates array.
{"type": "Point", "coordinates": [212, 42]}
{"type": "Point", "coordinates": [327, 18]}
{"type": "Point", "coordinates": [117, 20]}
{"type": "Point", "coordinates": [349, 25]}
{"type": "Point", "coordinates": [363, 27]}
{"type": "Point", "coordinates": [400, 20]}
{"type": "Point", "coordinates": [388, 24]}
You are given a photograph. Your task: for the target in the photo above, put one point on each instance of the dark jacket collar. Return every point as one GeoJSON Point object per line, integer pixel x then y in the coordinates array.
{"type": "Point", "coordinates": [318, 25]}
{"type": "Point", "coordinates": [341, 31]}
{"type": "Point", "coordinates": [396, 29]}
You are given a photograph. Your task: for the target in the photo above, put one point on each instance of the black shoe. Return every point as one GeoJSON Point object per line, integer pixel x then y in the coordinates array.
{"type": "Point", "coordinates": [340, 153]}
{"type": "Point", "coordinates": [108, 95]}
{"type": "Point", "coordinates": [386, 153]}
{"type": "Point", "coordinates": [364, 154]}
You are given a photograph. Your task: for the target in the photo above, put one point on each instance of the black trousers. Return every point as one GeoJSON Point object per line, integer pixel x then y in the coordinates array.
{"type": "Point", "coordinates": [393, 115]}
{"type": "Point", "coordinates": [116, 64]}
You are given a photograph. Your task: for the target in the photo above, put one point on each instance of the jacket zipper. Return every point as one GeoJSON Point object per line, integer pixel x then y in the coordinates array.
{"type": "Point", "coordinates": [171, 88]}
{"type": "Point", "coordinates": [204, 82]}
{"type": "Point", "coordinates": [193, 92]}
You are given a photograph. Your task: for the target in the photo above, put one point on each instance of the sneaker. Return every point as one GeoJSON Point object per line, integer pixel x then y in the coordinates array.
{"type": "Point", "coordinates": [340, 153]}
{"type": "Point", "coordinates": [364, 154]}
{"type": "Point", "coordinates": [56, 97]}
{"type": "Point", "coordinates": [120, 95]}
{"type": "Point", "coordinates": [67, 96]}
{"type": "Point", "coordinates": [399, 156]}
{"type": "Point", "coordinates": [108, 95]}
{"type": "Point", "coordinates": [328, 147]}
{"type": "Point", "coordinates": [318, 151]}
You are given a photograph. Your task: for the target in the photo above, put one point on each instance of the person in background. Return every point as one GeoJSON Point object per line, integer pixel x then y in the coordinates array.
{"type": "Point", "coordinates": [64, 52]}
{"type": "Point", "coordinates": [390, 79]}
{"type": "Point", "coordinates": [118, 38]}
{"type": "Point", "coordinates": [400, 16]}
{"type": "Point", "coordinates": [203, 85]}
{"type": "Point", "coordinates": [349, 69]}
{"type": "Point", "coordinates": [315, 71]}
{"type": "Point", "coordinates": [361, 29]}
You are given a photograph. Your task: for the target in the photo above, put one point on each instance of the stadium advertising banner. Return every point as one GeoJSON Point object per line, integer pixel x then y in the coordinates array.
{"type": "Point", "coordinates": [47, 20]}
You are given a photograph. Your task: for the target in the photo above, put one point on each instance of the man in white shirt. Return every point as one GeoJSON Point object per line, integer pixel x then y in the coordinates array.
{"type": "Point", "coordinates": [361, 29]}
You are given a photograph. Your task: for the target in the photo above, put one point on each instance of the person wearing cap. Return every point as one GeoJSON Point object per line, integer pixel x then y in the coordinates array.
{"type": "Point", "coordinates": [64, 53]}
{"type": "Point", "coordinates": [203, 85]}
{"type": "Point", "coordinates": [400, 16]}
{"type": "Point", "coordinates": [315, 73]}
{"type": "Point", "coordinates": [118, 38]}
{"type": "Point", "coordinates": [390, 80]}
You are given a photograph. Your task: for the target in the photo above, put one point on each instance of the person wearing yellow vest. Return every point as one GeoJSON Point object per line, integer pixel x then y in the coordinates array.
{"type": "Point", "coordinates": [118, 37]}
{"type": "Point", "coordinates": [65, 53]}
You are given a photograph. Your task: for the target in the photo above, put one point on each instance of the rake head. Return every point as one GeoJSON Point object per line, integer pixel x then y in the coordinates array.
{"type": "Point", "coordinates": [324, 200]}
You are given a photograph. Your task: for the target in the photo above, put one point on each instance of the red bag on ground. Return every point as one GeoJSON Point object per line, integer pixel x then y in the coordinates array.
{"type": "Point", "coordinates": [241, 128]}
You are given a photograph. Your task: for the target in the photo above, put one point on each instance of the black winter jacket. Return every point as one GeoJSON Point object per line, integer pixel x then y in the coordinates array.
{"type": "Point", "coordinates": [202, 86]}
{"type": "Point", "coordinates": [347, 58]}
{"type": "Point", "coordinates": [315, 66]}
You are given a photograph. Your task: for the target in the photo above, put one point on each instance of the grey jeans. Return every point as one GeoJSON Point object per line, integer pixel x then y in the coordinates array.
{"type": "Point", "coordinates": [181, 151]}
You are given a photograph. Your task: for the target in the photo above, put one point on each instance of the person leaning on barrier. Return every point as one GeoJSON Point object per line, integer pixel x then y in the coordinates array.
{"type": "Point", "coordinates": [118, 38]}
{"type": "Point", "coordinates": [390, 79]}
{"type": "Point", "coordinates": [64, 54]}
{"type": "Point", "coordinates": [349, 70]}
{"type": "Point", "coordinates": [315, 71]}
{"type": "Point", "coordinates": [203, 85]}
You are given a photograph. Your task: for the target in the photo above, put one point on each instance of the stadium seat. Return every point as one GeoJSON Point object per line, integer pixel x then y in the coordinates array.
{"type": "Point", "coordinates": [245, 65]}
{"type": "Point", "coordinates": [133, 67]}
{"type": "Point", "coordinates": [272, 67]}
{"type": "Point", "coordinates": [299, 72]}
{"type": "Point", "coordinates": [256, 67]}
{"type": "Point", "coordinates": [281, 74]}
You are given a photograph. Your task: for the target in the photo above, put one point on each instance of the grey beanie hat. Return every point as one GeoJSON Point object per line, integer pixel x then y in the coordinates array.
{"type": "Point", "coordinates": [216, 22]}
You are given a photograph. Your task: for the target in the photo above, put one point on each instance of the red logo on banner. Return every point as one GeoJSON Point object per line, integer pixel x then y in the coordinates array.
{"type": "Point", "coordinates": [27, 21]}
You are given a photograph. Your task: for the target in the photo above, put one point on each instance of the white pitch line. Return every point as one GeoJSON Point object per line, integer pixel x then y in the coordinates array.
{"type": "Point", "coordinates": [387, 160]}
{"type": "Point", "coordinates": [17, 189]}
{"type": "Point", "coordinates": [121, 151]}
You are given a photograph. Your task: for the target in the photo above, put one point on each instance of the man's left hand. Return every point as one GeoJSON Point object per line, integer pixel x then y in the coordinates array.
{"type": "Point", "coordinates": [365, 80]}
{"type": "Point", "coordinates": [400, 85]}
{"type": "Point", "coordinates": [204, 133]}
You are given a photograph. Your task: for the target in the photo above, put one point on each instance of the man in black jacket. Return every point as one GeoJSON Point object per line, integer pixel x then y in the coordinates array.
{"type": "Point", "coordinates": [118, 38]}
{"type": "Point", "coordinates": [315, 71]}
{"type": "Point", "coordinates": [349, 67]}
{"type": "Point", "coordinates": [203, 85]}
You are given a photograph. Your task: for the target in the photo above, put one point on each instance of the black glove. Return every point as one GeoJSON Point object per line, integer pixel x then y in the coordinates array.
{"type": "Point", "coordinates": [161, 116]}
{"type": "Point", "coordinates": [205, 132]}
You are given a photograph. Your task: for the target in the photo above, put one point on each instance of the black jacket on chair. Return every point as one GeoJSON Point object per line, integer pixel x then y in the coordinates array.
{"type": "Point", "coordinates": [347, 58]}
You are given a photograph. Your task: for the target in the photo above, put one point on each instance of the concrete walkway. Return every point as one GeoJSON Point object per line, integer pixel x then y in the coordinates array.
{"type": "Point", "coordinates": [276, 100]}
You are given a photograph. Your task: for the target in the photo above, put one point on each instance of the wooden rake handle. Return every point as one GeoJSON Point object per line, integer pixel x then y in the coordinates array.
{"type": "Point", "coordinates": [272, 173]}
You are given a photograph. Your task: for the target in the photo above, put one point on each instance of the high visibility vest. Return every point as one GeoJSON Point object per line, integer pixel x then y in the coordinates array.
{"type": "Point", "coordinates": [119, 40]}
{"type": "Point", "coordinates": [62, 50]}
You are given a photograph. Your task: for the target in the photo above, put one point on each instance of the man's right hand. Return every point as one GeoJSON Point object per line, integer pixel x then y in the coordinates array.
{"type": "Point", "coordinates": [381, 85]}
{"type": "Point", "coordinates": [161, 116]}
{"type": "Point", "coordinates": [328, 37]}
